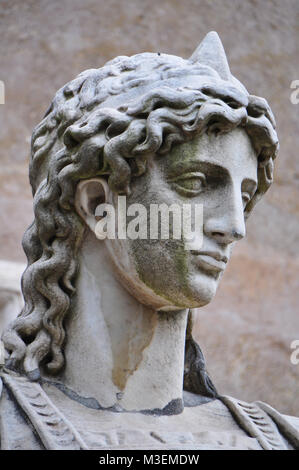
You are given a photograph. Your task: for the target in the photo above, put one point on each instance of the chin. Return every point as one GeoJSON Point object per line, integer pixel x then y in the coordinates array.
{"type": "Point", "coordinates": [198, 292]}
{"type": "Point", "coordinates": [201, 290]}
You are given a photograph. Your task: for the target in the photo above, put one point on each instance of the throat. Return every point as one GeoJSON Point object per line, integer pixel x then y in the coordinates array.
{"type": "Point", "coordinates": [119, 352]}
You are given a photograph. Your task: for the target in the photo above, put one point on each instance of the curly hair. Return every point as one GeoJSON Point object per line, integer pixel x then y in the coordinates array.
{"type": "Point", "coordinates": [107, 122]}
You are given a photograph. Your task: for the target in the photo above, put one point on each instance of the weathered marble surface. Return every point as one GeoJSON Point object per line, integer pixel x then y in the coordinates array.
{"type": "Point", "coordinates": [255, 33]}
{"type": "Point", "coordinates": [110, 319]}
{"type": "Point", "coordinates": [62, 423]}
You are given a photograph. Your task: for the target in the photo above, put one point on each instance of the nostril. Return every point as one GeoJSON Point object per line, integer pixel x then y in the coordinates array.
{"type": "Point", "coordinates": [217, 234]}
{"type": "Point", "coordinates": [233, 235]}
{"type": "Point", "coordinates": [237, 235]}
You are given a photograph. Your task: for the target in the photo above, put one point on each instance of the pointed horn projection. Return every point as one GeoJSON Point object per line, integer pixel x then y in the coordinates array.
{"type": "Point", "coordinates": [211, 52]}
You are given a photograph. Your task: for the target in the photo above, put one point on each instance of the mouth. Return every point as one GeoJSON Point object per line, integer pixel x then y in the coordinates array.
{"type": "Point", "coordinates": [212, 261]}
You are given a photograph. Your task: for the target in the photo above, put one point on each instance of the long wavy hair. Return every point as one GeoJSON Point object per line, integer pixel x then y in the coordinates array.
{"type": "Point", "coordinates": [105, 123]}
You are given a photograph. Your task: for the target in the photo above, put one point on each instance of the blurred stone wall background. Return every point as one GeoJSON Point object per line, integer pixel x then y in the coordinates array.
{"type": "Point", "coordinates": [247, 330]}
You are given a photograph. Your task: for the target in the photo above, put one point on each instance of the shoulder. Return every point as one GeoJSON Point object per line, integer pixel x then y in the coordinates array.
{"type": "Point", "coordinates": [26, 407]}
{"type": "Point", "coordinates": [272, 429]}
{"type": "Point", "coordinates": [293, 420]}
{"type": "Point", "coordinates": [16, 432]}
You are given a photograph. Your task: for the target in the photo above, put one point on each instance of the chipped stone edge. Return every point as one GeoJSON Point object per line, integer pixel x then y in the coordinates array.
{"type": "Point", "coordinates": [256, 421]}
{"type": "Point", "coordinates": [54, 430]}
{"type": "Point", "coordinates": [285, 427]}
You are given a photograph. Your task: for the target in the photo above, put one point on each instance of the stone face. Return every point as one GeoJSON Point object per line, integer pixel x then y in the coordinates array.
{"type": "Point", "coordinates": [108, 320]}
{"type": "Point", "coordinates": [257, 300]}
{"type": "Point", "coordinates": [109, 316]}
{"type": "Point", "coordinates": [151, 130]}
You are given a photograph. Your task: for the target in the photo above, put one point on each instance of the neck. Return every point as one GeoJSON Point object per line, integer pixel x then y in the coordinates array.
{"type": "Point", "coordinates": [119, 351]}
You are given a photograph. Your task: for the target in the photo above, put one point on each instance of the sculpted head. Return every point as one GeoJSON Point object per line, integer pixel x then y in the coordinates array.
{"type": "Point", "coordinates": [157, 129]}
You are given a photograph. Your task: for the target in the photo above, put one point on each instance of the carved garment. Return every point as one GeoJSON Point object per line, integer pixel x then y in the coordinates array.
{"type": "Point", "coordinates": [32, 418]}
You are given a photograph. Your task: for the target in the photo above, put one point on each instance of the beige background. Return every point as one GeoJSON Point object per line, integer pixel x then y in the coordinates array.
{"type": "Point", "coordinates": [247, 330]}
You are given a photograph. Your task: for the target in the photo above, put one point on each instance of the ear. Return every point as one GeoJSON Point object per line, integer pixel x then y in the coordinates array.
{"type": "Point", "coordinates": [89, 194]}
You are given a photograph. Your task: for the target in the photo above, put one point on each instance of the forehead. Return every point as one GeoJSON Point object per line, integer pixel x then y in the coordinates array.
{"type": "Point", "coordinates": [232, 152]}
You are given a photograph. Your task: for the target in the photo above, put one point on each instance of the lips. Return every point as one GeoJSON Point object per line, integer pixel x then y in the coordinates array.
{"type": "Point", "coordinates": [210, 260]}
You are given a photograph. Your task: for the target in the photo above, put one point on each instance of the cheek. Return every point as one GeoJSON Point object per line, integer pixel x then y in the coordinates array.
{"type": "Point", "coordinates": [157, 257]}
{"type": "Point", "coordinates": [165, 268]}
{"type": "Point", "coordinates": [161, 265]}
{"type": "Point", "coordinates": [168, 270]}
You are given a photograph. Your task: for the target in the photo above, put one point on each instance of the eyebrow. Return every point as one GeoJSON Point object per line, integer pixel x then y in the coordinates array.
{"type": "Point", "coordinates": [184, 166]}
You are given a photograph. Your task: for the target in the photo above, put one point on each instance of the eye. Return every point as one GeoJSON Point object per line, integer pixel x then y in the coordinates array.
{"type": "Point", "coordinates": [189, 184]}
{"type": "Point", "coordinates": [245, 198]}
{"type": "Point", "coordinates": [248, 189]}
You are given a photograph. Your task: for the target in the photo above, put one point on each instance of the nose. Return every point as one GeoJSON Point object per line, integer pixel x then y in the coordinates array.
{"type": "Point", "coordinates": [226, 223]}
